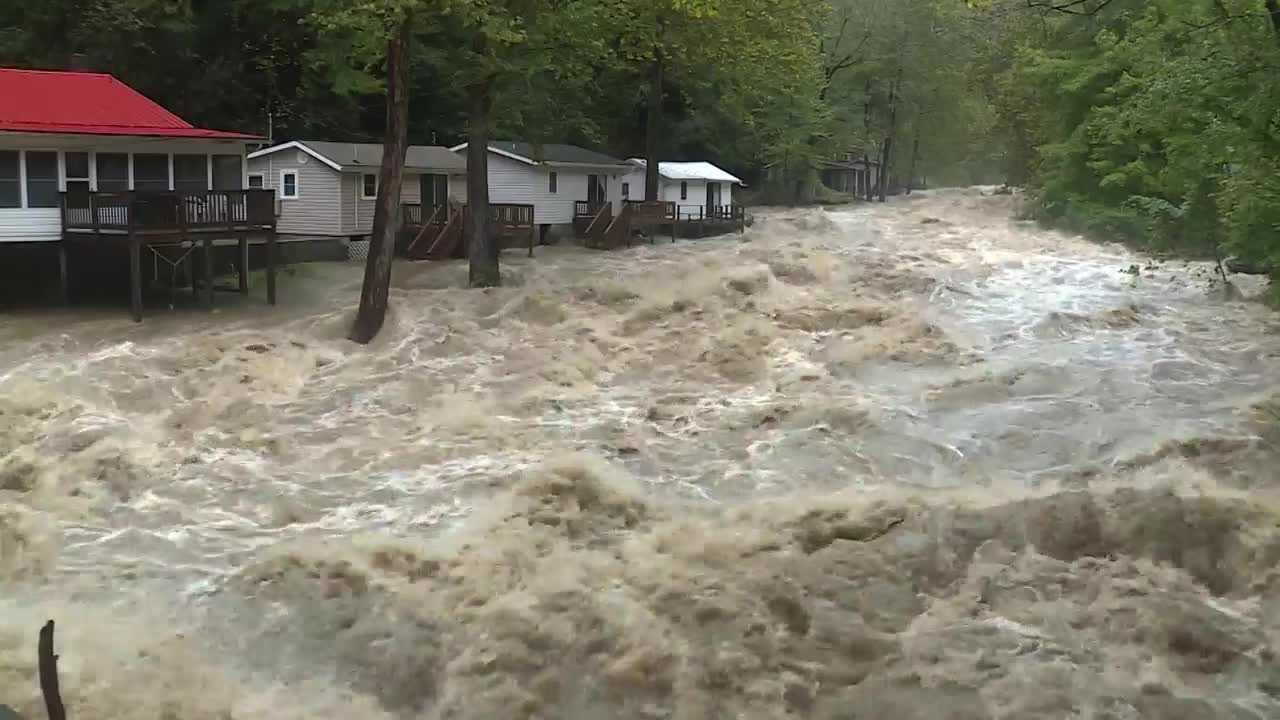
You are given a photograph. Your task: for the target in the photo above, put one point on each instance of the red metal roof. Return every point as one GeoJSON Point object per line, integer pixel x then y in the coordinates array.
{"type": "Point", "coordinates": [82, 103]}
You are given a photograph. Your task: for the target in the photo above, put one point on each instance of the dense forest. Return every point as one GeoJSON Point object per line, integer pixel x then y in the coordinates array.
{"type": "Point", "coordinates": [1151, 120]}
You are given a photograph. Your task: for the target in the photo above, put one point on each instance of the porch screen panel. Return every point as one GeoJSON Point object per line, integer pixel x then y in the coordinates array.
{"type": "Point", "coordinates": [10, 180]}
{"type": "Point", "coordinates": [151, 173]}
{"type": "Point", "coordinates": [228, 173]}
{"type": "Point", "coordinates": [42, 179]}
{"type": "Point", "coordinates": [113, 172]}
{"type": "Point", "coordinates": [191, 173]}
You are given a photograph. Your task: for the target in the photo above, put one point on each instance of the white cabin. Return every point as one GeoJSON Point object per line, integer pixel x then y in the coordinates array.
{"type": "Point", "coordinates": [559, 181]}
{"type": "Point", "coordinates": [693, 186]}
{"type": "Point", "coordinates": [328, 189]}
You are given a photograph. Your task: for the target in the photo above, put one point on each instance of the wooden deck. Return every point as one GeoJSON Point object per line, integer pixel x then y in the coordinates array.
{"type": "Point", "coordinates": [440, 235]}
{"type": "Point", "coordinates": [714, 218]}
{"type": "Point", "coordinates": [171, 225]}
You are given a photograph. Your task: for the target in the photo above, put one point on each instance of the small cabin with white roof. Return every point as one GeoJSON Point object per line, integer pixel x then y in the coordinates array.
{"type": "Point", "coordinates": [698, 189]}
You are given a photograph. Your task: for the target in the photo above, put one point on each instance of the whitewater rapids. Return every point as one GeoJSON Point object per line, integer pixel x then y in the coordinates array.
{"type": "Point", "coordinates": [913, 460]}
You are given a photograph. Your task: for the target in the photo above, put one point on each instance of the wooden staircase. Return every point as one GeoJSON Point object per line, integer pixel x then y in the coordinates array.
{"type": "Point", "coordinates": [618, 232]}
{"type": "Point", "coordinates": [595, 232]}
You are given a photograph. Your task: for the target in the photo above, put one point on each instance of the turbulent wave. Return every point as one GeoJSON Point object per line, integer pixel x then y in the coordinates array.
{"type": "Point", "coordinates": [865, 462]}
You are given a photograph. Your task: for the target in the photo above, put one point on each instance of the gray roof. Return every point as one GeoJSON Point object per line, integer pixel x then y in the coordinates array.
{"type": "Point", "coordinates": [555, 153]}
{"type": "Point", "coordinates": [356, 157]}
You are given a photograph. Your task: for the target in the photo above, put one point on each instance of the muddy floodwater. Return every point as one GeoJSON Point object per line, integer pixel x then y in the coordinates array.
{"type": "Point", "coordinates": [917, 460]}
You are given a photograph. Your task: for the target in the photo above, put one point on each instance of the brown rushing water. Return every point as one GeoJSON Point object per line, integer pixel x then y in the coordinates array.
{"type": "Point", "coordinates": [916, 460]}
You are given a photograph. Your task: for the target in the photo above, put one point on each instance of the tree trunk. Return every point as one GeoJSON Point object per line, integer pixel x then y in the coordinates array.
{"type": "Point", "coordinates": [1273, 9]}
{"type": "Point", "coordinates": [482, 246]}
{"type": "Point", "coordinates": [653, 128]}
{"type": "Point", "coordinates": [866, 127]}
{"type": "Point", "coordinates": [911, 173]}
{"type": "Point", "coordinates": [386, 215]}
{"type": "Point", "coordinates": [886, 155]}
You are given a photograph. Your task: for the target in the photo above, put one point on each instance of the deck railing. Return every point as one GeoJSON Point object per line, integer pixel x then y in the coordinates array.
{"type": "Point", "coordinates": [726, 212]}
{"type": "Point", "coordinates": [658, 212]}
{"type": "Point", "coordinates": [690, 213]}
{"type": "Point", "coordinates": [169, 211]}
{"type": "Point", "coordinates": [587, 208]}
{"type": "Point", "coordinates": [507, 215]}
{"type": "Point", "coordinates": [415, 213]}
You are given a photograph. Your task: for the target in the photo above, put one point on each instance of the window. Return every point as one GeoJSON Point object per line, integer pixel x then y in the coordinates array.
{"type": "Point", "coordinates": [256, 181]}
{"type": "Point", "coordinates": [151, 173]}
{"type": "Point", "coordinates": [42, 179]}
{"type": "Point", "coordinates": [626, 191]}
{"type": "Point", "coordinates": [684, 191]}
{"type": "Point", "coordinates": [227, 172]}
{"type": "Point", "coordinates": [368, 186]}
{"type": "Point", "coordinates": [10, 180]}
{"type": "Point", "coordinates": [76, 165]}
{"type": "Point", "coordinates": [289, 184]}
{"type": "Point", "coordinates": [191, 173]}
{"type": "Point", "coordinates": [554, 180]}
{"type": "Point", "coordinates": [113, 172]}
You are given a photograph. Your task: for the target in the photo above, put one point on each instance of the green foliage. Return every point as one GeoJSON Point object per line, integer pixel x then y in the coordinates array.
{"type": "Point", "coordinates": [1155, 121]}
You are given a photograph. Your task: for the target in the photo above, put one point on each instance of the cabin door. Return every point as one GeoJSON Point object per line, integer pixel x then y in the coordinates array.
{"type": "Point", "coordinates": [596, 190]}
{"type": "Point", "coordinates": [713, 196]}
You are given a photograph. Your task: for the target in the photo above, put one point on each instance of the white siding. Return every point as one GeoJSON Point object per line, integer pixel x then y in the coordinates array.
{"type": "Point", "coordinates": [411, 189]}
{"type": "Point", "coordinates": [350, 204]}
{"type": "Point", "coordinates": [30, 225]}
{"type": "Point", "coordinates": [315, 211]}
{"type": "Point", "coordinates": [458, 188]}
{"type": "Point", "coordinates": [669, 190]}
{"type": "Point", "coordinates": [517, 183]}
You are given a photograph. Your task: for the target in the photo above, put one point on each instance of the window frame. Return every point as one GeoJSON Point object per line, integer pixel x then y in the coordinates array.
{"type": "Point", "coordinates": [17, 180]}
{"type": "Point", "coordinates": [297, 186]}
{"type": "Point", "coordinates": [262, 177]}
{"type": "Point", "coordinates": [363, 187]}
{"type": "Point", "coordinates": [553, 182]}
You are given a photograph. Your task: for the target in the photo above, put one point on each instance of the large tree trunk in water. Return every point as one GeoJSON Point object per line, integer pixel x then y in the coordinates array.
{"type": "Point", "coordinates": [386, 214]}
{"type": "Point", "coordinates": [886, 155]}
{"type": "Point", "coordinates": [482, 246]}
{"type": "Point", "coordinates": [911, 173]}
{"type": "Point", "coordinates": [866, 126]}
{"type": "Point", "coordinates": [652, 129]}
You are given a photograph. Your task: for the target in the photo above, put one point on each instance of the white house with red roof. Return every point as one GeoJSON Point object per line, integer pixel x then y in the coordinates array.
{"type": "Point", "coordinates": [94, 168]}
{"type": "Point", "coordinates": [82, 132]}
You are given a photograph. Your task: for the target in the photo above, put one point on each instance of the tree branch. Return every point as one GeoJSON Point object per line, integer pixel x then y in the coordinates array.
{"type": "Point", "coordinates": [49, 674]}
{"type": "Point", "coordinates": [1073, 7]}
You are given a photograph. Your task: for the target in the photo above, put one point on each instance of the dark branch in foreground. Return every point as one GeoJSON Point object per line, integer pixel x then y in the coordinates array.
{"type": "Point", "coordinates": [1070, 7]}
{"type": "Point", "coordinates": [49, 674]}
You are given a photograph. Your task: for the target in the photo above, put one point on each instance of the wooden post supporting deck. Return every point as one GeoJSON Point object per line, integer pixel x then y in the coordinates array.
{"type": "Point", "coordinates": [207, 251]}
{"type": "Point", "coordinates": [271, 265]}
{"type": "Point", "coordinates": [533, 233]}
{"type": "Point", "coordinates": [62, 272]}
{"type": "Point", "coordinates": [243, 264]}
{"type": "Point", "coordinates": [135, 276]}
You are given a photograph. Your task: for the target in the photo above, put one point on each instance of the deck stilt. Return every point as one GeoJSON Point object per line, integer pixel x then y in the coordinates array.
{"type": "Point", "coordinates": [135, 277]}
{"type": "Point", "coordinates": [207, 251]}
{"type": "Point", "coordinates": [271, 266]}
{"type": "Point", "coordinates": [62, 273]}
{"type": "Point", "coordinates": [243, 264]}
